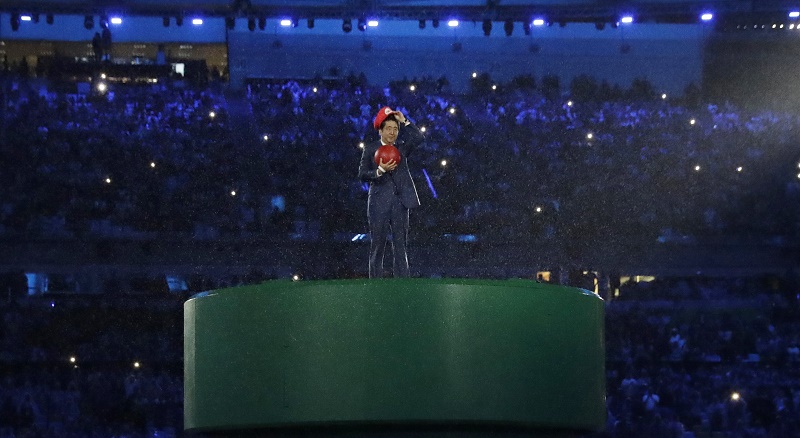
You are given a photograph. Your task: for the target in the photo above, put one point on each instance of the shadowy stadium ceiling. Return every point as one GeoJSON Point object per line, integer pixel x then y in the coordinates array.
{"type": "Point", "coordinates": [556, 11]}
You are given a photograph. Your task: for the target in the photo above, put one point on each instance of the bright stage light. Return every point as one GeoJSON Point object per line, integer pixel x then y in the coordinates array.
{"type": "Point", "coordinates": [197, 21]}
{"type": "Point", "coordinates": [286, 22]}
{"type": "Point", "coordinates": [626, 19]}
{"type": "Point", "coordinates": [452, 23]}
{"type": "Point", "coordinates": [707, 16]}
{"type": "Point", "coordinates": [372, 23]}
{"type": "Point", "coordinates": [538, 22]}
{"type": "Point", "coordinates": [116, 20]}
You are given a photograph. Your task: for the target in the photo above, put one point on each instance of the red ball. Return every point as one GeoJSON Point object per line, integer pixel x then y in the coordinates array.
{"type": "Point", "coordinates": [387, 153]}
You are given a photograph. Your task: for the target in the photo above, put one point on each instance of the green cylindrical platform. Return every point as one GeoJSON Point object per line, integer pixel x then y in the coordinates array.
{"type": "Point", "coordinates": [394, 353]}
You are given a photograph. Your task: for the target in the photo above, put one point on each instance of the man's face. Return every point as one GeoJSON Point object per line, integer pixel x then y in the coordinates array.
{"type": "Point", "coordinates": [389, 131]}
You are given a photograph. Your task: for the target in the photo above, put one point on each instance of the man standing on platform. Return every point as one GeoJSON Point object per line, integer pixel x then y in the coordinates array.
{"type": "Point", "coordinates": [391, 190]}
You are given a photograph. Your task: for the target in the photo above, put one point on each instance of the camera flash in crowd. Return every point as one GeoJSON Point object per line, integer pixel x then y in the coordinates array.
{"type": "Point", "coordinates": [697, 168]}
{"type": "Point", "coordinates": [233, 192]}
{"type": "Point", "coordinates": [739, 169]}
{"type": "Point", "coordinates": [474, 75]}
{"type": "Point", "coordinates": [361, 145]}
{"type": "Point", "coordinates": [296, 277]}
{"type": "Point", "coordinates": [412, 88]}
{"type": "Point", "coordinates": [72, 359]}
{"type": "Point", "coordinates": [108, 180]}
{"type": "Point", "coordinates": [494, 87]}
{"type": "Point", "coordinates": [590, 136]}
{"type": "Point", "coordinates": [444, 163]}
{"type": "Point", "coordinates": [664, 96]}
{"type": "Point", "coordinates": [423, 129]}
{"type": "Point", "coordinates": [692, 122]}
{"type": "Point", "coordinates": [569, 103]}
{"type": "Point", "coordinates": [212, 114]}
{"type": "Point", "coordinates": [136, 364]}
{"type": "Point", "coordinates": [735, 396]}
{"type": "Point", "coordinates": [265, 137]}
{"type": "Point", "coordinates": [452, 110]}
{"type": "Point", "coordinates": [152, 164]}
{"type": "Point", "coordinates": [101, 87]}
{"type": "Point", "coordinates": [314, 89]}
{"type": "Point", "coordinates": [538, 209]}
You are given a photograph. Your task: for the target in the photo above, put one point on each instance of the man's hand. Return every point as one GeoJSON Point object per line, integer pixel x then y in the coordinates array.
{"type": "Point", "coordinates": [387, 166]}
{"type": "Point", "coordinates": [400, 117]}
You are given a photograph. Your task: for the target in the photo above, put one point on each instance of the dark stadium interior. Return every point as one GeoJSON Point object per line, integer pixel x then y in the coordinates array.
{"type": "Point", "coordinates": [127, 187]}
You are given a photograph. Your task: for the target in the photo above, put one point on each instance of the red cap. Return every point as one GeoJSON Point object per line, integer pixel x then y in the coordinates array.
{"type": "Point", "coordinates": [382, 115]}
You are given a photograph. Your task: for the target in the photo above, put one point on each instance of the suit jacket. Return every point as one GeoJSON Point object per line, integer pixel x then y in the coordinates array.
{"type": "Point", "coordinates": [399, 182]}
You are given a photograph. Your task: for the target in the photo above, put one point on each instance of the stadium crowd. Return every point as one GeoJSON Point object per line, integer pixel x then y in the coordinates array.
{"type": "Point", "coordinates": [511, 162]}
{"type": "Point", "coordinates": [91, 367]}
{"type": "Point", "coordinates": [518, 162]}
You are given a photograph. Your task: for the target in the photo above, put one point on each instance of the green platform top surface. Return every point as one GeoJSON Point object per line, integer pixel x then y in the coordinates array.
{"type": "Point", "coordinates": [405, 283]}
{"type": "Point", "coordinates": [410, 351]}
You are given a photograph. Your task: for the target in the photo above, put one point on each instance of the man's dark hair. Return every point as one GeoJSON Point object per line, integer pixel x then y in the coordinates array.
{"type": "Point", "coordinates": [389, 118]}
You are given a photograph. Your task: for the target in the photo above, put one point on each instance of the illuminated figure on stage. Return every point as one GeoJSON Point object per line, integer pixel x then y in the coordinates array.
{"type": "Point", "coordinates": [391, 190]}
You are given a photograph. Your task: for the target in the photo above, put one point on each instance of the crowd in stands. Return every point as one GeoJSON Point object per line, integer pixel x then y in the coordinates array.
{"type": "Point", "coordinates": [87, 366]}
{"type": "Point", "coordinates": [516, 162]}
{"type": "Point", "coordinates": [716, 366]}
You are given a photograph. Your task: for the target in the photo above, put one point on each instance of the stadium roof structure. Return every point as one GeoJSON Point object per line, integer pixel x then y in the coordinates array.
{"type": "Point", "coordinates": [554, 11]}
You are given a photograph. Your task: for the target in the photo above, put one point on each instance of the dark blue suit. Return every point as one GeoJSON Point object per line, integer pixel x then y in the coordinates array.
{"type": "Point", "coordinates": [391, 195]}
